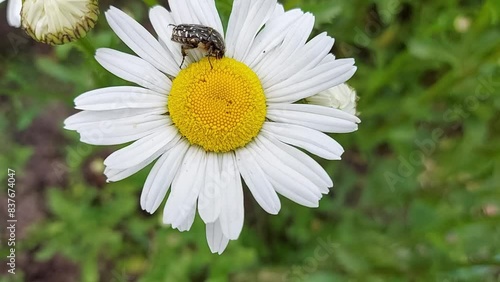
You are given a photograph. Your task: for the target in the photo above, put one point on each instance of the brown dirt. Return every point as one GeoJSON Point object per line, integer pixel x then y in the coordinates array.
{"type": "Point", "coordinates": [44, 169]}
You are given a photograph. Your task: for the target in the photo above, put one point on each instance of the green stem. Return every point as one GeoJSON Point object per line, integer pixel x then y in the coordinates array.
{"type": "Point", "coordinates": [88, 50]}
{"type": "Point", "coordinates": [86, 47]}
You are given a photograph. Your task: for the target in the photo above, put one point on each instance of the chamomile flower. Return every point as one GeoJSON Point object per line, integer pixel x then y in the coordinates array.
{"type": "Point", "coordinates": [14, 12]}
{"type": "Point", "coordinates": [59, 21]}
{"type": "Point", "coordinates": [217, 123]}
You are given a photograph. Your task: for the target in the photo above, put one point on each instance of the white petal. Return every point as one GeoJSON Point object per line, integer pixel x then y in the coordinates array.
{"type": "Point", "coordinates": [232, 212]}
{"type": "Point", "coordinates": [182, 13]}
{"type": "Point", "coordinates": [295, 37]}
{"type": "Point", "coordinates": [285, 180]}
{"type": "Point", "coordinates": [141, 149]}
{"type": "Point", "coordinates": [247, 18]}
{"type": "Point", "coordinates": [257, 182]}
{"type": "Point", "coordinates": [309, 139]}
{"type": "Point", "coordinates": [304, 58]}
{"type": "Point", "coordinates": [217, 242]}
{"type": "Point", "coordinates": [14, 12]}
{"type": "Point", "coordinates": [114, 175]}
{"type": "Point", "coordinates": [140, 41]}
{"type": "Point", "coordinates": [326, 62]}
{"type": "Point", "coordinates": [206, 14]}
{"type": "Point", "coordinates": [186, 224]}
{"type": "Point", "coordinates": [278, 11]}
{"type": "Point", "coordinates": [84, 118]}
{"type": "Point", "coordinates": [300, 162]}
{"type": "Point", "coordinates": [316, 117]}
{"type": "Point", "coordinates": [209, 202]}
{"type": "Point", "coordinates": [121, 130]}
{"type": "Point", "coordinates": [186, 187]}
{"type": "Point", "coordinates": [161, 176]}
{"type": "Point", "coordinates": [120, 97]}
{"type": "Point", "coordinates": [133, 69]}
{"type": "Point", "coordinates": [310, 82]}
{"type": "Point", "coordinates": [118, 174]}
{"type": "Point", "coordinates": [271, 36]}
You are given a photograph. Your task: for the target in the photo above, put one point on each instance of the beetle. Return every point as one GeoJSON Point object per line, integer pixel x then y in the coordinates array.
{"type": "Point", "coordinates": [193, 36]}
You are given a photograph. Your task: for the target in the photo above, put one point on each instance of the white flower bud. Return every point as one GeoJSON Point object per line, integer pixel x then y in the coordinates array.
{"type": "Point", "coordinates": [58, 21]}
{"type": "Point", "coordinates": [342, 97]}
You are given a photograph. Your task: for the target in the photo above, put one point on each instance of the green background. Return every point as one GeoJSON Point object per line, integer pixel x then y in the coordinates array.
{"type": "Point", "coordinates": [416, 196]}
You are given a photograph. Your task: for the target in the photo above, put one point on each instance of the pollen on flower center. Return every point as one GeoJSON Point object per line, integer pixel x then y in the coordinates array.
{"type": "Point", "coordinates": [220, 108]}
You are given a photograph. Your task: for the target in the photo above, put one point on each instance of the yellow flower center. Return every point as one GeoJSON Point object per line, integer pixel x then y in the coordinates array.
{"type": "Point", "coordinates": [220, 108]}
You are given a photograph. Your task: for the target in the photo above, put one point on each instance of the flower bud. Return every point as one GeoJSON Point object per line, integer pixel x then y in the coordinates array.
{"type": "Point", "coordinates": [58, 22]}
{"type": "Point", "coordinates": [342, 97]}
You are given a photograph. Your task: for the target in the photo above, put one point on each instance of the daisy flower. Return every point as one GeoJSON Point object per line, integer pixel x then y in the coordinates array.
{"type": "Point", "coordinates": [59, 21]}
{"type": "Point", "coordinates": [14, 12]}
{"type": "Point", "coordinates": [217, 123]}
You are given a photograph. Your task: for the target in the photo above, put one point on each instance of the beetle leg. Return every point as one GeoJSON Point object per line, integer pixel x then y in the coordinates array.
{"type": "Point", "coordinates": [209, 54]}
{"type": "Point", "coordinates": [211, 67]}
{"type": "Point", "coordinates": [184, 53]}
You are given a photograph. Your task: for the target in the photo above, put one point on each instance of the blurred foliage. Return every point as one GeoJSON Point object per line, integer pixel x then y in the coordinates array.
{"type": "Point", "coordinates": [417, 194]}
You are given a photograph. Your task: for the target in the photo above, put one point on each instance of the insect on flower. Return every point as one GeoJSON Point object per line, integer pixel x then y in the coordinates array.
{"type": "Point", "coordinates": [193, 36]}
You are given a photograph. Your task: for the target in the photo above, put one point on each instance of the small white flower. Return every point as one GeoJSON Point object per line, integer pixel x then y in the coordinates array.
{"type": "Point", "coordinates": [462, 24]}
{"type": "Point", "coordinates": [216, 122]}
{"type": "Point", "coordinates": [59, 21]}
{"type": "Point", "coordinates": [342, 97]}
{"type": "Point", "coordinates": [14, 12]}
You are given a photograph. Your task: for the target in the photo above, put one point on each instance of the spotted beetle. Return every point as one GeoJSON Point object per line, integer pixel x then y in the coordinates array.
{"type": "Point", "coordinates": [198, 36]}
